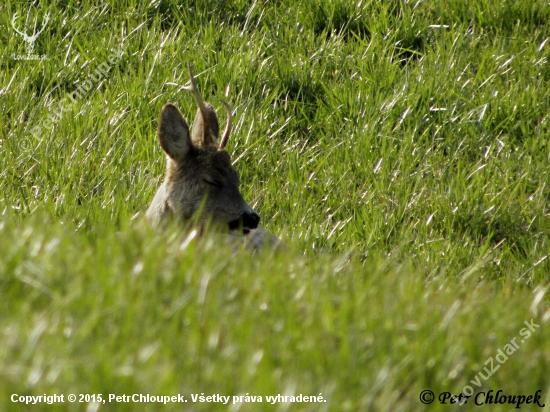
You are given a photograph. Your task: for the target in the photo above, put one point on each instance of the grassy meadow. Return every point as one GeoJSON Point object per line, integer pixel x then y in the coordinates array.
{"type": "Point", "coordinates": [399, 148]}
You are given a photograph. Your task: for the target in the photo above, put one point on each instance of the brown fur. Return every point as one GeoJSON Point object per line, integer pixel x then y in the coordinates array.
{"type": "Point", "coordinates": [200, 176]}
{"type": "Point", "coordinates": [195, 175]}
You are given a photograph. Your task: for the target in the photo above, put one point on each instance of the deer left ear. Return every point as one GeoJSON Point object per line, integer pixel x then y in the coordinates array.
{"type": "Point", "coordinates": [173, 133]}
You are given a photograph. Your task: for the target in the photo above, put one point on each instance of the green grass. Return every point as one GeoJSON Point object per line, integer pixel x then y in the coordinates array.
{"type": "Point", "coordinates": [404, 163]}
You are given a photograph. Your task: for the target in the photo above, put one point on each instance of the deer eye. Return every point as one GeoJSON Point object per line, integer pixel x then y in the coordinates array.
{"type": "Point", "coordinates": [214, 183]}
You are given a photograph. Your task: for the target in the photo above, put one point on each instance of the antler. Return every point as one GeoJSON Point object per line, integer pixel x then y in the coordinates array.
{"type": "Point", "coordinates": [195, 92]}
{"type": "Point", "coordinates": [25, 36]}
{"type": "Point", "coordinates": [43, 27]}
{"type": "Point", "coordinates": [206, 112]}
{"type": "Point", "coordinates": [227, 130]}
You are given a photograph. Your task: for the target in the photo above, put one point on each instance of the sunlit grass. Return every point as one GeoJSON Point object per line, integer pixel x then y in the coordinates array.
{"type": "Point", "coordinates": [399, 148]}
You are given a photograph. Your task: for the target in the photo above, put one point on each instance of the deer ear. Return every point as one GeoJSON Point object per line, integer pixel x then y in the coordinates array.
{"type": "Point", "coordinates": [173, 133]}
{"type": "Point", "coordinates": [198, 130]}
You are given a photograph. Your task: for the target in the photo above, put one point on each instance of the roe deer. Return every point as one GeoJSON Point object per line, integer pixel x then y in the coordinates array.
{"type": "Point", "coordinates": [200, 177]}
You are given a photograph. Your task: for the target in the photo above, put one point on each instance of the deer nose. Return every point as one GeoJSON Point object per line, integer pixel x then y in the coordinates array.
{"type": "Point", "coordinates": [250, 220]}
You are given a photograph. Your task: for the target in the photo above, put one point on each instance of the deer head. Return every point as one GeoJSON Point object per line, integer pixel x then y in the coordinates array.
{"type": "Point", "coordinates": [30, 39]}
{"type": "Point", "coordinates": [199, 174]}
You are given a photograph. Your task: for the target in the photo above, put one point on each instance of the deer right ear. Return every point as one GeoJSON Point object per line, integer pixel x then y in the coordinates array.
{"type": "Point", "coordinates": [173, 133]}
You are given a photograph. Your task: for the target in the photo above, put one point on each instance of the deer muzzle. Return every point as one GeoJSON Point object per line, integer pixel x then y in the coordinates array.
{"type": "Point", "coordinates": [247, 222]}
